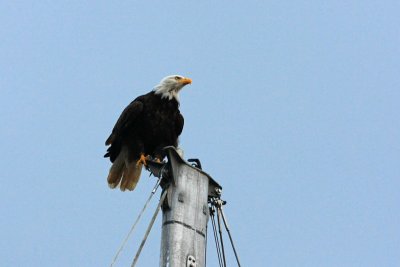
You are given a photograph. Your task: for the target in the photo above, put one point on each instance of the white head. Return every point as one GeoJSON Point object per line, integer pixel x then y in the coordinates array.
{"type": "Point", "coordinates": [170, 86]}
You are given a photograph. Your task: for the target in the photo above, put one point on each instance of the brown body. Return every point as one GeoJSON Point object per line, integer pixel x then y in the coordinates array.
{"type": "Point", "coordinates": [147, 124]}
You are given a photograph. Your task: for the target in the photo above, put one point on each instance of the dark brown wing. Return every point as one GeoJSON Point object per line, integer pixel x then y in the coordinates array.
{"type": "Point", "coordinates": [127, 117]}
{"type": "Point", "coordinates": [179, 121]}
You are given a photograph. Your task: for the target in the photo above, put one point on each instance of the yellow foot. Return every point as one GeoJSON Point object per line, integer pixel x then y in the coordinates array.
{"type": "Point", "coordinates": [142, 160]}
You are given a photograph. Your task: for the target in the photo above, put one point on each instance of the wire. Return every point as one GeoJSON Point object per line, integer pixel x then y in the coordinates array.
{"type": "Point", "coordinates": [229, 234]}
{"type": "Point", "coordinates": [212, 211]}
{"type": "Point", "coordinates": [136, 221]}
{"type": "Point", "coordinates": [220, 234]}
{"type": "Point", "coordinates": [149, 228]}
{"type": "Point", "coordinates": [216, 205]}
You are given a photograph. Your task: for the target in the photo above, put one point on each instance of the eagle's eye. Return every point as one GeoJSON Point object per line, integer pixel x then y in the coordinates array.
{"type": "Point", "coordinates": [178, 78]}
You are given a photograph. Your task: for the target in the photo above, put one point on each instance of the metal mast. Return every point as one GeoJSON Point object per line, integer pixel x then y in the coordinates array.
{"type": "Point", "coordinates": [185, 213]}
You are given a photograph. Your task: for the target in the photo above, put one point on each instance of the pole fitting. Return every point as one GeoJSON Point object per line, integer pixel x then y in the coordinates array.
{"type": "Point", "coordinates": [218, 190]}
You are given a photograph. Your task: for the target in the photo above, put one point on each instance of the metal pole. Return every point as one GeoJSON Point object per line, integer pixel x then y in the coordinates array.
{"type": "Point", "coordinates": [185, 214]}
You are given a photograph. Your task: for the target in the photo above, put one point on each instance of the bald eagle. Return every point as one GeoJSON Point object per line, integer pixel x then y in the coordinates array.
{"type": "Point", "coordinates": [148, 124]}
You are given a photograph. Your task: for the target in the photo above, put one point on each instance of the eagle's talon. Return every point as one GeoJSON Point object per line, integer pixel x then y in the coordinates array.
{"type": "Point", "coordinates": [142, 160]}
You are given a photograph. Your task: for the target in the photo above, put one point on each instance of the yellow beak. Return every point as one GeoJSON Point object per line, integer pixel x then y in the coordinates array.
{"type": "Point", "coordinates": [185, 81]}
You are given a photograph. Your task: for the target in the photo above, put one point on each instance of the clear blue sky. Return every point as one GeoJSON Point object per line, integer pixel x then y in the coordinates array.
{"type": "Point", "coordinates": [294, 109]}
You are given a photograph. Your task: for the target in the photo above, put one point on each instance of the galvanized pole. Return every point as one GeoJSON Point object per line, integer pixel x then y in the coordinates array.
{"type": "Point", "coordinates": [185, 214]}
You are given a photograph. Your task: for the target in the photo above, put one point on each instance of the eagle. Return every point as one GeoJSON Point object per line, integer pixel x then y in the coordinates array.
{"type": "Point", "coordinates": [148, 124]}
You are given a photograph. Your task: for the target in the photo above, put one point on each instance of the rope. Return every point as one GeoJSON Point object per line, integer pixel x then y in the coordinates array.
{"type": "Point", "coordinates": [149, 228]}
{"type": "Point", "coordinates": [229, 234]}
{"type": "Point", "coordinates": [136, 221]}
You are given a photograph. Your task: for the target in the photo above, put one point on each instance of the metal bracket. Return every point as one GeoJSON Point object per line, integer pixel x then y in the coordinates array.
{"type": "Point", "coordinates": [158, 169]}
{"type": "Point", "coordinates": [195, 163]}
{"type": "Point", "coordinates": [191, 261]}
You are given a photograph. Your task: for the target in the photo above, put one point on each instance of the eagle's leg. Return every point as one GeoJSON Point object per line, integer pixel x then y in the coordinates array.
{"type": "Point", "coordinates": [142, 160]}
{"type": "Point", "coordinates": [158, 157]}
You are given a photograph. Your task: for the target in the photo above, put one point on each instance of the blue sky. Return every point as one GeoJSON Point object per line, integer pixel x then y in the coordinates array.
{"type": "Point", "coordinates": [294, 110]}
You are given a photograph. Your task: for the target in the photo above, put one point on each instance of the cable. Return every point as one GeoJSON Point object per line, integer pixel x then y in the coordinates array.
{"type": "Point", "coordinates": [212, 211]}
{"type": "Point", "coordinates": [136, 221]}
{"type": "Point", "coordinates": [220, 234]}
{"type": "Point", "coordinates": [229, 234]}
{"type": "Point", "coordinates": [149, 228]}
